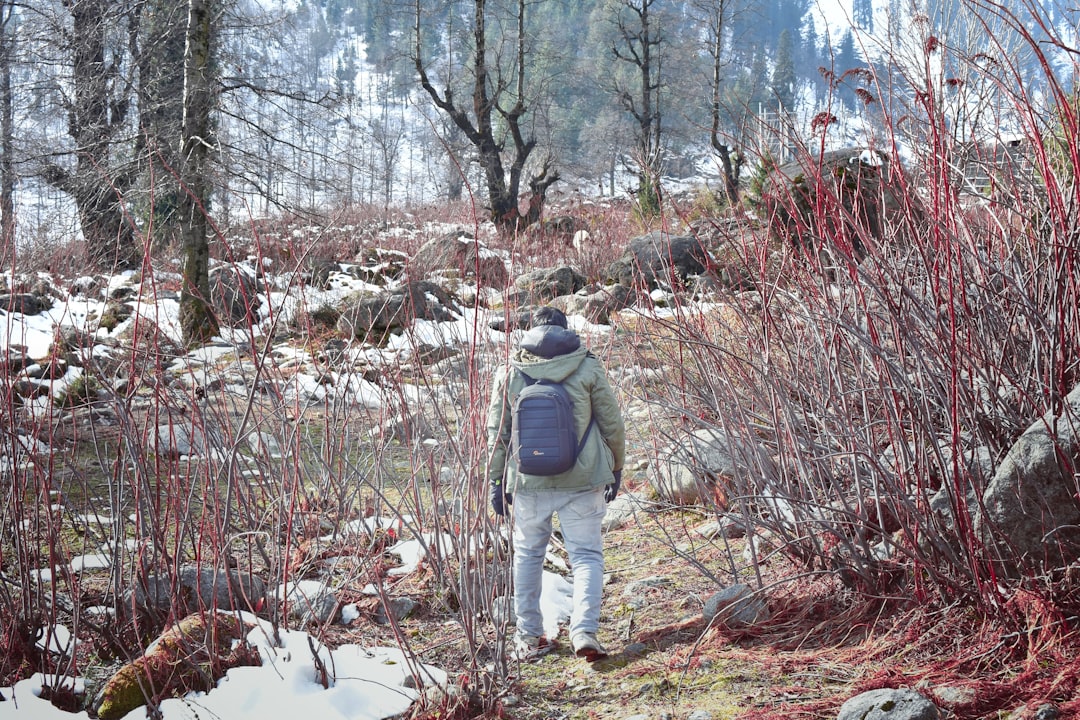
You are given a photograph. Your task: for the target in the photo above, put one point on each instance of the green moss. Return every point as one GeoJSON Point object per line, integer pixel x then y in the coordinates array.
{"type": "Point", "coordinates": [191, 655]}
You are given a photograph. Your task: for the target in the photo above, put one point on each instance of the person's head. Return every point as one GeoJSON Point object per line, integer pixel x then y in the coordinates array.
{"type": "Point", "coordinates": [548, 315]}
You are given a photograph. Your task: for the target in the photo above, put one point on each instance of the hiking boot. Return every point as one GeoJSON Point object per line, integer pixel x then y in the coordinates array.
{"type": "Point", "coordinates": [587, 646]}
{"type": "Point", "coordinates": [530, 647]}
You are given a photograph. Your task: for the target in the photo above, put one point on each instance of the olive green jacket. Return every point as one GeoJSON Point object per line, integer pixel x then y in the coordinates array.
{"type": "Point", "coordinates": [586, 381]}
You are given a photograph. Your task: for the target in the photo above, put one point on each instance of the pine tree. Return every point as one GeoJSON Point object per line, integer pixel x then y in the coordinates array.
{"type": "Point", "coordinates": [783, 73]}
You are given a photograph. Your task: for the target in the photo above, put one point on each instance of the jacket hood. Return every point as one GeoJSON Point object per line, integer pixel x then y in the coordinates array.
{"type": "Point", "coordinates": [548, 341]}
{"type": "Point", "coordinates": [556, 368]}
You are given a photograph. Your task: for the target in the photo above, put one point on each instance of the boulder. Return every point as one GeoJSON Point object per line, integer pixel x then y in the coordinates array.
{"type": "Point", "coordinates": [688, 469]}
{"type": "Point", "coordinates": [543, 285]}
{"type": "Point", "coordinates": [736, 606]}
{"type": "Point", "coordinates": [373, 317]}
{"type": "Point", "coordinates": [660, 260]}
{"type": "Point", "coordinates": [597, 304]}
{"type": "Point", "coordinates": [235, 295]}
{"type": "Point", "coordinates": [464, 254]}
{"type": "Point", "coordinates": [842, 195]}
{"type": "Point", "coordinates": [889, 704]}
{"type": "Point", "coordinates": [24, 303]}
{"type": "Point", "coordinates": [198, 588]}
{"type": "Point", "coordinates": [1030, 512]}
{"type": "Point", "coordinates": [308, 601]}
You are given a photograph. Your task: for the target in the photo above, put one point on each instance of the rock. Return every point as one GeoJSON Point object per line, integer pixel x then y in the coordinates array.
{"type": "Point", "coordinates": [596, 305]}
{"type": "Point", "coordinates": [113, 314]}
{"type": "Point", "coordinates": [887, 704]}
{"type": "Point", "coordinates": [728, 526]}
{"type": "Point", "coordinates": [460, 252]}
{"type": "Point", "coordinates": [372, 317]}
{"type": "Point", "coordinates": [859, 178]}
{"type": "Point", "coordinates": [699, 715]}
{"type": "Point", "coordinates": [13, 362]}
{"type": "Point", "coordinates": [308, 601]}
{"type": "Point", "coordinates": [652, 582]}
{"type": "Point", "coordinates": [736, 606]}
{"type": "Point", "coordinates": [687, 471]}
{"type": "Point", "coordinates": [544, 285]}
{"type": "Point", "coordinates": [198, 588]}
{"type": "Point", "coordinates": [234, 293]}
{"type": "Point", "coordinates": [1030, 512]}
{"type": "Point", "coordinates": [319, 271]}
{"type": "Point", "coordinates": [622, 510]}
{"type": "Point", "coordinates": [559, 228]}
{"type": "Point", "coordinates": [397, 608]}
{"type": "Point", "coordinates": [24, 303]}
{"type": "Point", "coordinates": [179, 439]}
{"type": "Point", "coordinates": [659, 260]}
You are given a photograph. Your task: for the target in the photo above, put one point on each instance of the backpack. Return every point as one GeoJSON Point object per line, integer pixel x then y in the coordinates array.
{"type": "Point", "coordinates": [544, 439]}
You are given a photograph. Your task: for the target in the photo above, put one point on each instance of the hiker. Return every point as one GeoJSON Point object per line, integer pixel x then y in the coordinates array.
{"type": "Point", "coordinates": [550, 352]}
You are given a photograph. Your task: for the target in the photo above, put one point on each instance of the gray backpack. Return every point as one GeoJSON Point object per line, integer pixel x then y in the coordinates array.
{"type": "Point", "coordinates": [544, 439]}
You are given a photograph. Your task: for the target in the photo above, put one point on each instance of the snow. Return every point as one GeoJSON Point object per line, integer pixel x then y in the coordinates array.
{"type": "Point", "coordinates": [364, 683]}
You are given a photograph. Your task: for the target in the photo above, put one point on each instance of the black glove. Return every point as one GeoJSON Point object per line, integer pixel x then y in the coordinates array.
{"type": "Point", "coordinates": [500, 500]}
{"type": "Point", "coordinates": [610, 491]}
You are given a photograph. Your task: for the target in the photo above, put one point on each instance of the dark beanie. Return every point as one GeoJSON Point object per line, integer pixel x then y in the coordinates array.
{"type": "Point", "coordinates": [548, 315]}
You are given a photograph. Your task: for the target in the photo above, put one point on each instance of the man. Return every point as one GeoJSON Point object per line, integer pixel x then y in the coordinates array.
{"type": "Point", "coordinates": [550, 351]}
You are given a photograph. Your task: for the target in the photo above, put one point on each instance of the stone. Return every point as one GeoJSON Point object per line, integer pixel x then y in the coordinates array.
{"type": "Point", "coordinates": [597, 304]}
{"type": "Point", "coordinates": [543, 285]}
{"type": "Point", "coordinates": [888, 704]}
{"type": "Point", "coordinates": [736, 606]}
{"type": "Point", "coordinates": [659, 260]}
{"type": "Point", "coordinates": [198, 588]}
{"type": "Point", "coordinates": [397, 608]}
{"type": "Point", "coordinates": [1029, 510]}
{"type": "Point", "coordinates": [686, 471]}
{"type": "Point", "coordinates": [235, 295]}
{"type": "Point", "coordinates": [372, 318]}
{"type": "Point", "coordinates": [24, 303]}
{"type": "Point", "coordinates": [459, 251]}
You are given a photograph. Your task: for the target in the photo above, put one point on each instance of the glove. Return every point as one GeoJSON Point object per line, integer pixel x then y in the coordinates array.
{"type": "Point", "coordinates": [500, 500]}
{"type": "Point", "coordinates": [610, 491]}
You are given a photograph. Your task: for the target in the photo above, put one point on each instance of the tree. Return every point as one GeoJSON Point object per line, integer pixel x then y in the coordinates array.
{"type": "Point", "coordinates": [639, 43]}
{"type": "Point", "coordinates": [97, 102]}
{"type": "Point", "coordinates": [783, 73]}
{"type": "Point", "coordinates": [715, 15]}
{"type": "Point", "coordinates": [7, 125]}
{"type": "Point", "coordinates": [197, 320]}
{"type": "Point", "coordinates": [160, 91]}
{"type": "Point", "coordinates": [497, 113]}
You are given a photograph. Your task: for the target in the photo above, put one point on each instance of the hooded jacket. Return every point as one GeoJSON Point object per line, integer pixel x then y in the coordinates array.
{"type": "Point", "coordinates": [550, 352]}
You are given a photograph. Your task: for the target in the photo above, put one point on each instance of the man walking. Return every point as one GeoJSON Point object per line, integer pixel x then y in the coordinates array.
{"type": "Point", "coordinates": [549, 351]}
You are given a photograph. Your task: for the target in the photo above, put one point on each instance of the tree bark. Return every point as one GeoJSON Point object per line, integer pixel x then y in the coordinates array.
{"type": "Point", "coordinates": [7, 127]}
{"type": "Point", "coordinates": [197, 320]}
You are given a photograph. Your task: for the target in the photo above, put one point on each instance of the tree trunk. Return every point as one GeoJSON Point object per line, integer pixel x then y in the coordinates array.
{"type": "Point", "coordinates": [7, 127]}
{"type": "Point", "coordinates": [99, 107]}
{"type": "Point", "coordinates": [197, 320]}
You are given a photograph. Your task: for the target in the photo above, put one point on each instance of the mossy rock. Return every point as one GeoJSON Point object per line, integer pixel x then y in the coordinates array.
{"type": "Point", "coordinates": [191, 655]}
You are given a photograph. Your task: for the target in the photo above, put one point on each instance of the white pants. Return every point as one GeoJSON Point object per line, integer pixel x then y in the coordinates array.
{"type": "Point", "coordinates": [580, 517]}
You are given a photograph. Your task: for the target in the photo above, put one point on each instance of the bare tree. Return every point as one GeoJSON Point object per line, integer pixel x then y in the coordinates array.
{"type": "Point", "coordinates": [7, 124]}
{"type": "Point", "coordinates": [197, 320]}
{"type": "Point", "coordinates": [97, 104]}
{"type": "Point", "coordinates": [716, 14]}
{"type": "Point", "coordinates": [497, 113]}
{"type": "Point", "coordinates": [639, 46]}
